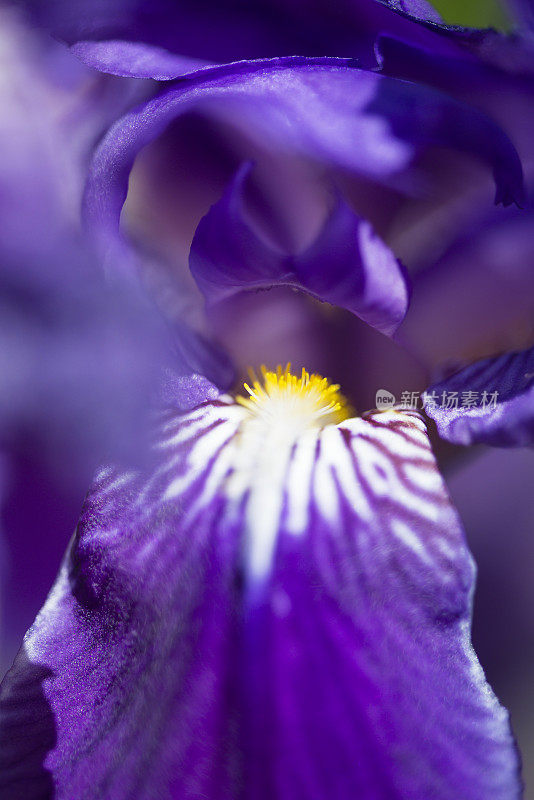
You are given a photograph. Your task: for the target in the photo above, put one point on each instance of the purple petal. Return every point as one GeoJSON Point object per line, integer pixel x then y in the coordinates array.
{"type": "Point", "coordinates": [185, 392]}
{"type": "Point", "coordinates": [223, 30]}
{"type": "Point", "coordinates": [219, 629]}
{"type": "Point", "coordinates": [325, 109]}
{"type": "Point", "coordinates": [524, 11]}
{"type": "Point", "coordinates": [511, 53]}
{"type": "Point", "coordinates": [424, 13]}
{"type": "Point", "coordinates": [134, 59]}
{"type": "Point", "coordinates": [452, 71]}
{"type": "Point", "coordinates": [418, 10]}
{"type": "Point", "coordinates": [431, 121]}
{"type": "Point", "coordinates": [348, 265]}
{"type": "Point", "coordinates": [502, 413]}
{"type": "Point", "coordinates": [78, 355]}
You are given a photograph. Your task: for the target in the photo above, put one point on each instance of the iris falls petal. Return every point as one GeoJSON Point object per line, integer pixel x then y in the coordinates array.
{"type": "Point", "coordinates": [488, 402]}
{"type": "Point", "coordinates": [280, 609]}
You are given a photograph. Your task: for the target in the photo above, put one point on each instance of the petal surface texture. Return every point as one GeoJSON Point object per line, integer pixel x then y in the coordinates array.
{"type": "Point", "coordinates": [495, 402]}
{"type": "Point", "coordinates": [267, 615]}
{"type": "Point", "coordinates": [347, 265]}
{"type": "Point", "coordinates": [134, 60]}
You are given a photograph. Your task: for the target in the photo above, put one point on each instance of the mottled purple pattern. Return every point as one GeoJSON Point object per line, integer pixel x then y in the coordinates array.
{"type": "Point", "coordinates": [507, 423]}
{"type": "Point", "coordinates": [161, 666]}
{"type": "Point", "coordinates": [347, 265]}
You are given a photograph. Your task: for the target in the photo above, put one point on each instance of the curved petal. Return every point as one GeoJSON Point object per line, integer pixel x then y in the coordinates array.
{"type": "Point", "coordinates": [450, 71]}
{"type": "Point", "coordinates": [492, 402]}
{"type": "Point", "coordinates": [326, 109]}
{"type": "Point", "coordinates": [134, 59]}
{"type": "Point", "coordinates": [418, 10]}
{"type": "Point", "coordinates": [430, 121]}
{"type": "Point", "coordinates": [424, 13]}
{"type": "Point", "coordinates": [261, 620]}
{"type": "Point", "coordinates": [348, 265]}
{"type": "Point", "coordinates": [224, 30]}
{"type": "Point", "coordinates": [509, 52]}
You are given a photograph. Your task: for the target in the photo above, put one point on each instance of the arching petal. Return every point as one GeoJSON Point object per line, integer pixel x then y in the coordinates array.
{"type": "Point", "coordinates": [325, 109]}
{"type": "Point", "coordinates": [488, 402]}
{"type": "Point", "coordinates": [221, 629]}
{"type": "Point", "coordinates": [348, 265]}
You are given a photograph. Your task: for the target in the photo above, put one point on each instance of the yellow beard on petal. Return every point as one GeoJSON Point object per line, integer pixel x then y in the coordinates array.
{"type": "Point", "coordinates": [281, 413]}
{"type": "Point", "coordinates": [308, 401]}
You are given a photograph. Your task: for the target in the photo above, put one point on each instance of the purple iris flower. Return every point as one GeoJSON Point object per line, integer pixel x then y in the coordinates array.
{"type": "Point", "coordinates": [216, 632]}
{"type": "Point", "coordinates": [277, 605]}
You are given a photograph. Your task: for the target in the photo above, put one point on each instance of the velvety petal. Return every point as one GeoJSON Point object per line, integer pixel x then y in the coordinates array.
{"type": "Point", "coordinates": [348, 265]}
{"type": "Point", "coordinates": [134, 59]}
{"type": "Point", "coordinates": [326, 109]}
{"type": "Point", "coordinates": [185, 391]}
{"type": "Point", "coordinates": [502, 413]}
{"type": "Point", "coordinates": [260, 619]}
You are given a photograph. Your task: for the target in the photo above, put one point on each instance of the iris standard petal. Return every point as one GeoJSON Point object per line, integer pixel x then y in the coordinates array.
{"type": "Point", "coordinates": [274, 612]}
{"type": "Point", "coordinates": [347, 265]}
{"type": "Point", "coordinates": [492, 402]}
{"type": "Point", "coordinates": [325, 109]}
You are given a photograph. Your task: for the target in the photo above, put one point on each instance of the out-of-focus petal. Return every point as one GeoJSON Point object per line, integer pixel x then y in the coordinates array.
{"type": "Point", "coordinates": [223, 30]}
{"type": "Point", "coordinates": [512, 52]}
{"type": "Point", "coordinates": [77, 355]}
{"type": "Point", "coordinates": [134, 59]}
{"type": "Point", "coordinates": [325, 109]}
{"type": "Point", "coordinates": [236, 626]}
{"type": "Point", "coordinates": [348, 265]}
{"type": "Point", "coordinates": [448, 71]}
{"type": "Point", "coordinates": [524, 12]}
{"type": "Point", "coordinates": [428, 118]}
{"type": "Point", "coordinates": [503, 409]}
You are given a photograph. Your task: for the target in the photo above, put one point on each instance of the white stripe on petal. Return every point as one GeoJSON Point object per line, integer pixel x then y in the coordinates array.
{"type": "Point", "coordinates": [272, 476]}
